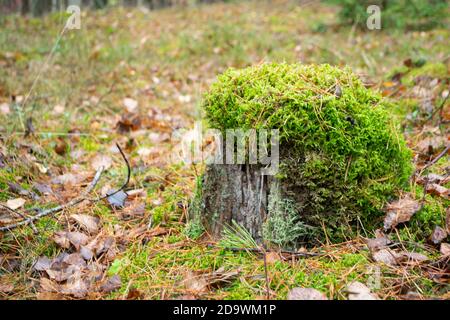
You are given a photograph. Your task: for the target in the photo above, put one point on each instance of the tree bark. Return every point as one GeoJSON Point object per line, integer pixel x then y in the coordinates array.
{"type": "Point", "coordinates": [235, 192]}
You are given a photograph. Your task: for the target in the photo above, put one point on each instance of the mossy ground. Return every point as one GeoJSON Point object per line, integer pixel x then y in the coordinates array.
{"type": "Point", "coordinates": [161, 58]}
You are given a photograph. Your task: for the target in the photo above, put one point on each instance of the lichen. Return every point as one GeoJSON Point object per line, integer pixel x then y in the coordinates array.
{"type": "Point", "coordinates": [342, 156]}
{"type": "Point", "coordinates": [284, 226]}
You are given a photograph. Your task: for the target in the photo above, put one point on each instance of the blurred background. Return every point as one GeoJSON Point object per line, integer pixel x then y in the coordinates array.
{"type": "Point", "coordinates": [134, 73]}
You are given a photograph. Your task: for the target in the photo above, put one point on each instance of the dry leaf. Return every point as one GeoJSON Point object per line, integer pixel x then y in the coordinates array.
{"type": "Point", "coordinates": [130, 104]}
{"type": "Point", "coordinates": [447, 220]}
{"type": "Point", "coordinates": [42, 264]}
{"type": "Point", "coordinates": [15, 204]}
{"type": "Point", "coordinates": [445, 249]}
{"type": "Point", "coordinates": [111, 284]}
{"type": "Point", "coordinates": [6, 287]}
{"type": "Point", "coordinates": [433, 178]}
{"type": "Point", "coordinates": [412, 257]}
{"type": "Point", "coordinates": [136, 209]}
{"type": "Point", "coordinates": [61, 239]}
{"type": "Point", "coordinates": [134, 294]}
{"type": "Point", "coordinates": [272, 257]}
{"type": "Point", "coordinates": [49, 296]}
{"type": "Point", "coordinates": [48, 285]}
{"type": "Point", "coordinates": [380, 242]}
{"type": "Point", "coordinates": [386, 256]}
{"type": "Point", "coordinates": [77, 239]}
{"type": "Point", "coordinates": [431, 145]}
{"type": "Point", "coordinates": [195, 283]}
{"type": "Point", "coordinates": [359, 291]}
{"type": "Point", "coordinates": [438, 190]}
{"type": "Point", "coordinates": [69, 179]}
{"type": "Point", "coordinates": [76, 286]}
{"type": "Point", "coordinates": [400, 211]}
{"type": "Point", "coordinates": [88, 223]}
{"type": "Point", "coordinates": [101, 161]}
{"type": "Point", "coordinates": [305, 294]}
{"type": "Point", "coordinates": [4, 108]}
{"type": "Point", "coordinates": [86, 253]}
{"type": "Point", "coordinates": [439, 234]}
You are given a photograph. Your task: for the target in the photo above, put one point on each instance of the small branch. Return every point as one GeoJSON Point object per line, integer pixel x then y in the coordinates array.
{"type": "Point", "coordinates": [440, 108]}
{"type": "Point", "coordinates": [432, 162]}
{"type": "Point", "coordinates": [47, 212]}
{"type": "Point", "coordinates": [125, 183]}
{"type": "Point", "coordinates": [73, 202]}
{"type": "Point", "coordinates": [35, 231]}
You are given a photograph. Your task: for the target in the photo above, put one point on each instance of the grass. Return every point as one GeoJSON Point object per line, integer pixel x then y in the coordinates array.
{"type": "Point", "coordinates": [158, 59]}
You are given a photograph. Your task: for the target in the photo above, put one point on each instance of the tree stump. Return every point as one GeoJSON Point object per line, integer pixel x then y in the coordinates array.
{"type": "Point", "coordinates": [235, 192]}
{"type": "Point", "coordinates": [341, 157]}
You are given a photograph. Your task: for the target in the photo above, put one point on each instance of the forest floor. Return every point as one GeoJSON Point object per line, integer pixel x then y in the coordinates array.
{"type": "Point", "coordinates": [134, 78]}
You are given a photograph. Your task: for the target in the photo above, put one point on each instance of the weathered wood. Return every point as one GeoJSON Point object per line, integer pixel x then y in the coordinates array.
{"type": "Point", "coordinates": [235, 192]}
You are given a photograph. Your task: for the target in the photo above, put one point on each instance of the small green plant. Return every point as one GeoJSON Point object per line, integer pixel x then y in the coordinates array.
{"type": "Point", "coordinates": [236, 236]}
{"type": "Point", "coordinates": [194, 227]}
{"type": "Point", "coordinates": [284, 226]}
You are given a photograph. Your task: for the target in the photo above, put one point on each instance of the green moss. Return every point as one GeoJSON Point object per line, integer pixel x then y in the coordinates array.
{"type": "Point", "coordinates": [341, 155]}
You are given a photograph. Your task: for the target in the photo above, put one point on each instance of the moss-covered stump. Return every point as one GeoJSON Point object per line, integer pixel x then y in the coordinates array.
{"type": "Point", "coordinates": [341, 155]}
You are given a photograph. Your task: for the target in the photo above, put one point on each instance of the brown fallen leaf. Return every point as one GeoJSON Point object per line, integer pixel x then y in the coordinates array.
{"type": "Point", "coordinates": [15, 204]}
{"type": "Point", "coordinates": [77, 239]}
{"type": "Point", "coordinates": [75, 286]}
{"type": "Point", "coordinates": [439, 234]}
{"type": "Point", "coordinates": [88, 223]}
{"type": "Point", "coordinates": [386, 256]}
{"type": "Point", "coordinates": [111, 284]}
{"type": "Point", "coordinates": [101, 161]}
{"type": "Point", "coordinates": [438, 190]}
{"type": "Point", "coordinates": [86, 253]}
{"type": "Point", "coordinates": [43, 189]}
{"type": "Point", "coordinates": [45, 295]}
{"type": "Point", "coordinates": [42, 264]}
{"type": "Point", "coordinates": [431, 145]}
{"type": "Point", "coordinates": [134, 294]}
{"type": "Point", "coordinates": [69, 179]}
{"type": "Point", "coordinates": [380, 242]}
{"type": "Point", "coordinates": [61, 239]}
{"type": "Point", "coordinates": [412, 257]}
{"type": "Point", "coordinates": [130, 104]}
{"type": "Point", "coordinates": [305, 294]}
{"type": "Point", "coordinates": [221, 276]}
{"type": "Point", "coordinates": [132, 210]}
{"type": "Point", "coordinates": [359, 291]}
{"type": "Point", "coordinates": [48, 285]}
{"type": "Point", "coordinates": [272, 257]}
{"type": "Point", "coordinates": [6, 287]}
{"type": "Point", "coordinates": [447, 220]}
{"type": "Point", "coordinates": [433, 178]}
{"type": "Point", "coordinates": [129, 122]}
{"type": "Point", "coordinates": [61, 146]}
{"type": "Point", "coordinates": [445, 249]}
{"type": "Point", "coordinates": [400, 211]}
{"type": "Point", "coordinates": [62, 274]}
{"type": "Point", "coordinates": [195, 283]}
